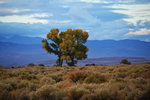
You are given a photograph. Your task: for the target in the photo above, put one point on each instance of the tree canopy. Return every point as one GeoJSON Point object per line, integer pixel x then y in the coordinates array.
{"type": "Point", "coordinates": [67, 45]}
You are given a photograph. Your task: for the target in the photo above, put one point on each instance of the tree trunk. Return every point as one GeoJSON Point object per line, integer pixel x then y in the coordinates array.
{"type": "Point", "coordinates": [72, 62]}
{"type": "Point", "coordinates": [59, 61]}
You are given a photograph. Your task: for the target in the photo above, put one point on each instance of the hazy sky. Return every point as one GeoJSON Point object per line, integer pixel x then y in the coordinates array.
{"type": "Point", "coordinates": [103, 19]}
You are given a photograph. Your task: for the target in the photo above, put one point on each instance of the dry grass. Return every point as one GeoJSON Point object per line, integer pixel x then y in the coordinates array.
{"type": "Point", "coordinates": [116, 82]}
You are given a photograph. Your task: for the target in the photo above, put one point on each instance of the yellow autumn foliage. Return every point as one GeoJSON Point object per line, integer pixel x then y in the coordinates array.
{"type": "Point", "coordinates": [69, 44]}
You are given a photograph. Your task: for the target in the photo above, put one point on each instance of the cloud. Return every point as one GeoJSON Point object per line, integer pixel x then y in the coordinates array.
{"type": "Point", "coordinates": [12, 10]}
{"type": "Point", "coordinates": [142, 31]}
{"type": "Point", "coordinates": [41, 15]}
{"type": "Point", "coordinates": [142, 1]}
{"type": "Point", "coordinates": [109, 30]}
{"type": "Point", "coordinates": [25, 18]}
{"type": "Point", "coordinates": [95, 1]}
{"type": "Point", "coordinates": [136, 12]}
{"type": "Point", "coordinates": [35, 29]}
{"type": "Point", "coordinates": [2, 2]}
{"type": "Point", "coordinates": [97, 28]}
{"type": "Point", "coordinates": [81, 16]}
{"type": "Point", "coordinates": [108, 1]}
{"type": "Point", "coordinates": [103, 19]}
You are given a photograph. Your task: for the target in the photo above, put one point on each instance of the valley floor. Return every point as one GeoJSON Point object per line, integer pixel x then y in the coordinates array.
{"type": "Point", "coordinates": [113, 82]}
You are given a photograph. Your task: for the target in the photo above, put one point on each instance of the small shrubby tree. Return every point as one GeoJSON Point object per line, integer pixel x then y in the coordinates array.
{"type": "Point", "coordinates": [31, 64]}
{"type": "Point", "coordinates": [67, 45]}
{"type": "Point", "coordinates": [125, 61]}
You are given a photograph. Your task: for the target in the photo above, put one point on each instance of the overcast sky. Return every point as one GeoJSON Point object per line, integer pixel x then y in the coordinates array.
{"type": "Point", "coordinates": [103, 19]}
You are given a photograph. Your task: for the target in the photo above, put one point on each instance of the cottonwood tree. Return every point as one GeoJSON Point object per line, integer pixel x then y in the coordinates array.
{"type": "Point", "coordinates": [67, 45]}
{"type": "Point", "coordinates": [72, 45]}
{"type": "Point", "coordinates": [53, 46]}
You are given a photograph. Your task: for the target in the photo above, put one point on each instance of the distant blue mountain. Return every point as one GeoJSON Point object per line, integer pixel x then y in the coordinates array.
{"type": "Point", "coordinates": [21, 39]}
{"type": "Point", "coordinates": [20, 50]}
{"type": "Point", "coordinates": [120, 48]}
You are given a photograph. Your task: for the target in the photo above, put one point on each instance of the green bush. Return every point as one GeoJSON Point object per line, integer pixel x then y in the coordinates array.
{"type": "Point", "coordinates": [95, 78]}
{"type": "Point", "coordinates": [24, 95]}
{"type": "Point", "coordinates": [103, 95]}
{"type": "Point", "coordinates": [76, 93]}
{"type": "Point", "coordinates": [41, 65]}
{"type": "Point", "coordinates": [27, 76]}
{"type": "Point", "coordinates": [23, 84]}
{"type": "Point", "coordinates": [47, 92]}
{"type": "Point", "coordinates": [31, 64]}
{"type": "Point", "coordinates": [57, 77]}
{"type": "Point", "coordinates": [121, 75]}
{"type": "Point", "coordinates": [99, 94]}
{"type": "Point", "coordinates": [125, 61]}
{"type": "Point", "coordinates": [5, 95]}
{"type": "Point", "coordinates": [9, 84]}
{"type": "Point", "coordinates": [33, 86]}
{"type": "Point", "coordinates": [77, 75]}
{"type": "Point", "coordinates": [145, 95]}
{"type": "Point", "coordinates": [47, 80]}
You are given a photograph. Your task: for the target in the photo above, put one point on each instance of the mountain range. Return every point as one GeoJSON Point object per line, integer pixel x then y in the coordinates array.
{"type": "Point", "coordinates": [20, 50]}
